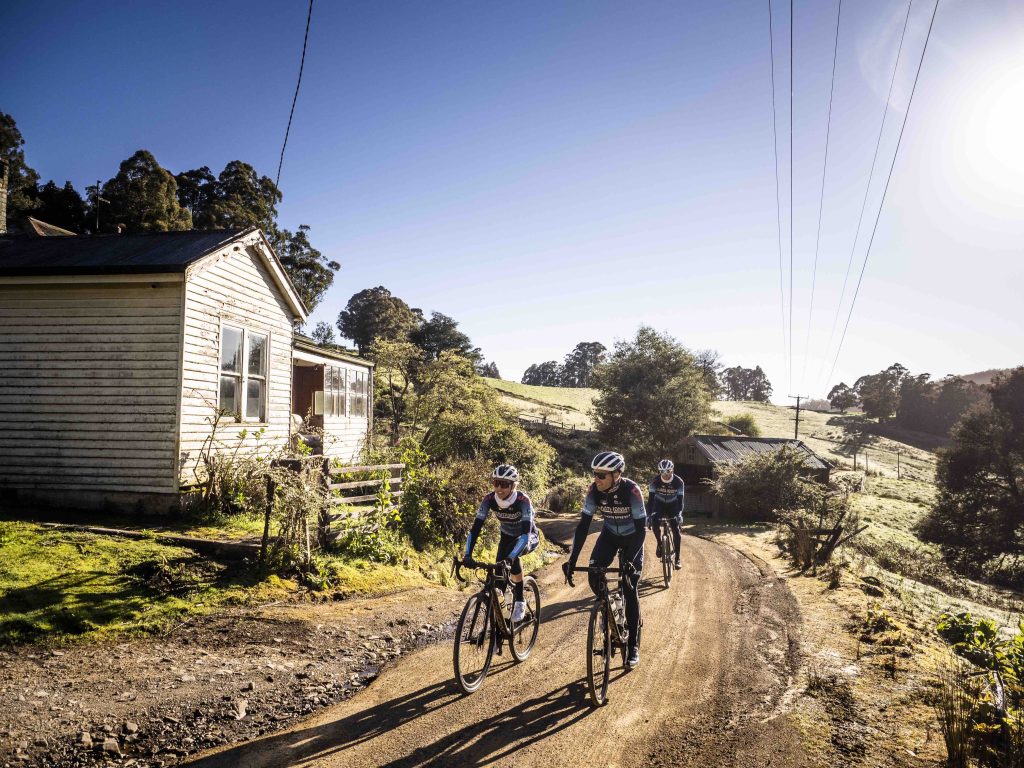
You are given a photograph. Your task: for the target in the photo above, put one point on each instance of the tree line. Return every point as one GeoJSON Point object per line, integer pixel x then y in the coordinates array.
{"type": "Point", "coordinates": [143, 196]}
{"type": "Point", "coordinates": [910, 401]}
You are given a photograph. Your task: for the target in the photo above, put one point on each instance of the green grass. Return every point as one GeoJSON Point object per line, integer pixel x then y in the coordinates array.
{"type": "Point", "coordinates": [62, 585]}
{"type": "Point", "coordinates": [561, 404]}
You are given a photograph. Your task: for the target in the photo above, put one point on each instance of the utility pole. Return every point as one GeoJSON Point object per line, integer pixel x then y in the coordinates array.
{"type": "Point", "coordinates": [898, 476]}
{"type": "Point", "coordinates": [96, 202]}
{"type": "Point", "coordinates": [796, 429]}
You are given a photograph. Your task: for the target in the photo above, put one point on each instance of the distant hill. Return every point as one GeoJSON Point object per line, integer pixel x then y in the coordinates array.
{"type": "Point", "coordinates": [983, 377]}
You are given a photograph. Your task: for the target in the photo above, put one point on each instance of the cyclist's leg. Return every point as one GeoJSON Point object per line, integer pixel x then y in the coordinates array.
{"type": "Point", "coordinates": [505, 545]}
{"type": "Point", "coordinates": [631, 550]}
{"type": "Point", "coordinates": [602, 555]}
{"type": "Point", "coordinates": [677, 538]}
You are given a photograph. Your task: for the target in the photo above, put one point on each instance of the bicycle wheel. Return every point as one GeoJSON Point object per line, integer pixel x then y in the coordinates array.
{"type": "Point", "coordinates": [524, 633]}
{"type": "Point", "coordinates": [666, 559]}
{"type": "Point", "coordinates": [474, 644]}
{"type": "Point", "coordinates": [599, 655]}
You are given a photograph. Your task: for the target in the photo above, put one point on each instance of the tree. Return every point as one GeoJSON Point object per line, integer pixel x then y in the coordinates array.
{"type": "Point", "coordinates": [21, 178]}
{"type": "Point", "coordinates": [651, 395]}
{"type": "Point", "coordinates": [578, 369]}
{"type": "Point", "coordinates": [547, 374]}
{"type": "Point", "coordinates": [197, 190]}
{"type": "Point", "coordinates": [440, 334]}
{"type": "Point", "coordinates": [61, 206]}
{"type": "Point", "coordinates": [240, 198]}
{"type": "Point", "coordinates": [323, 333]}
{"type": "Point", "coordinates": [308, 269]}
{"type": "Point", "coordinates": [879, 393]}
{"type": "Point", "coordinates": [710, 365]}
{"type": "Point", "coordinates": [980, 511]}
{"type": "Point", "coordinates": [144, 197]}
{"type": "Point", "coordinates": [374, 313]}
{"type": "Point", "coordinates": [842, 397]}
{"type": "Point", "coordinates": [488, 370]}
{"type": "Point", "coordinates": [739, 383]}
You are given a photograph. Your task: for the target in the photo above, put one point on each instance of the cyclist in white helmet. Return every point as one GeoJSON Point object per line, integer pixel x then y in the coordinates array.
{"type": "Point", "coordinates": [519, 535]}
{"type": "Point", "coordinates": [621, 505]}
{"type": "Point", "coordinates": [665, 504]}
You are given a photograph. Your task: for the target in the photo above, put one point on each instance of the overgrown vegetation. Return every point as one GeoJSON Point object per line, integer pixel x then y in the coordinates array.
{"type": "Point", "coordinates": [980, 703]}
{"type": "Point", "coordinates": [745, 423]}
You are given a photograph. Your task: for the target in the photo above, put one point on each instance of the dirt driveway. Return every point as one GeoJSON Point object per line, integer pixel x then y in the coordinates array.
{"type": "Point", "coordinates": [719, 656]}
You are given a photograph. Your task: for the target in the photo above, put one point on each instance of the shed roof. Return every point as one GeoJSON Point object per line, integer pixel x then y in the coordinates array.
{"type": "Point", "coordinates": [729, 449]}
{"type": "Point", "coordinates": [110, 254]}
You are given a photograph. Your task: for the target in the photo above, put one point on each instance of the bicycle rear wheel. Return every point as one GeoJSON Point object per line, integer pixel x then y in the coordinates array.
{"type": "Point", "coordinates": [599, 654]}
{"type": "Point", "coordinates": [524, 633]}
{"type": "Point", "coordinates": [474, 644]}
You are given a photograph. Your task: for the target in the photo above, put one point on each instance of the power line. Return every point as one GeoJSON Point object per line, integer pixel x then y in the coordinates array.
{"type": "Point", "coordinates": [867, 190]}
{"type": "Point", "coordinates": [791, 25]}
{"type": "Point", "coordinates": [778, 203]}
{"type": "Point", "coordinates": [892, 165]}
{"type": "Point", "coordinates": [295, 98]}
{"type": "Point", "coordinates": [821, 201]}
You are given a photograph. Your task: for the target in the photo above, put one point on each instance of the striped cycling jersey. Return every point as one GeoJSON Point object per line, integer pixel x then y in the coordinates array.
{"type": "Point", "coordinates": [621, 507]}
{"type": "Point", "coordinates": [666, 497]}
{"type": "Point", "coordinates": [516, 520]}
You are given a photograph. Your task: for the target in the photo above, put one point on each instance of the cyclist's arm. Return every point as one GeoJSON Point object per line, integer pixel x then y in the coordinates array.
{"type": "Point", "coordinates": [680, 497]}
{"type": "Point", "coordinates": [583, 528]}
{"type": "Point", "coordinates": [474, 532]}
{"type": "Point", "coordinates": [651, 490]}
{"type": "Point", "coordinates": [636, 502]}
{"type": "Point", "coordinates": [526, 526]}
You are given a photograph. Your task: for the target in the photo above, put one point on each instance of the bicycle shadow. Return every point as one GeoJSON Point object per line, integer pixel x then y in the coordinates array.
{"type": "Point", "coordinates": [339, 735]}
{"type": "Point", "coordinates": [502, 735]}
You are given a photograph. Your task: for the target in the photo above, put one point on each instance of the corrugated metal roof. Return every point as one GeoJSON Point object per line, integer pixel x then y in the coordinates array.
{"type": "Point", "coordinates": [729, 449]}
{"type": "Point", "coordinates": [110, 254]}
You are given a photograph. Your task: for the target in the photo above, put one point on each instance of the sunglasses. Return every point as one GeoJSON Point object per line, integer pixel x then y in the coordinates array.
{"type": "Point", "coordinates": [601, 475]}
{"type": "Point", "coordinates": [502, 483]}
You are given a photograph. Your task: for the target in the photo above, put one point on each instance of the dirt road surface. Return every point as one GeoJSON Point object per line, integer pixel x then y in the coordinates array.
{"type": "Point", "coordinates": [719, 656]}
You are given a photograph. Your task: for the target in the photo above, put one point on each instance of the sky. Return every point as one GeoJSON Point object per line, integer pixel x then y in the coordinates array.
{"type": "Point", "coordinates": [550, 173]}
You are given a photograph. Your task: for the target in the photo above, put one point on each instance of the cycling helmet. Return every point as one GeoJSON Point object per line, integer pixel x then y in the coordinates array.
{"type": "Point", "coordinates": [505, 472]}
{"type": "Point", "coordinates": [609, 461]}
{"type": "Point", "coordinates": [665, 466]}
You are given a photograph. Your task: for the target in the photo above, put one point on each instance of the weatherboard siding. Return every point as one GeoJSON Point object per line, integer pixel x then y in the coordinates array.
{"type": "Point", "coordinates": [88, 392]}
{"type": "Point", "coordinates": [231, 287]}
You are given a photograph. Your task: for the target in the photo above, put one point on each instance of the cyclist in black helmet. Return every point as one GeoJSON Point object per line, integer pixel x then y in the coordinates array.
{"type": "Point", "coordinates": [621, 505]}
{"type": "Point", "coordinates": [519, 536]}
{"type": "Point", "coordinates": [665, 504]}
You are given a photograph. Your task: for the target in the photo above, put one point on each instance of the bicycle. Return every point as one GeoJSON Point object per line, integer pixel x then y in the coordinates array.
{"type": "Point", "coordinates": [607, 633]}
{"type": "Point", "coordinates": [667, 550]}
{"type": "Point", "coordinates": [485, 623]}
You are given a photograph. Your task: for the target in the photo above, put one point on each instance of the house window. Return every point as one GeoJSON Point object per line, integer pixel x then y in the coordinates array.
{"type": "Point", "coordinates": [357, 388]}
{"type": "Point", "coordinates": [334, 391]}
{"type": "Point", "coordinates": [243, 373]}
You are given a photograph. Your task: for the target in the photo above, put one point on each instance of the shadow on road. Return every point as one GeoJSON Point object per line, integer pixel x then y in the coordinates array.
{"type": "Point", "coordinates": [502, 735]}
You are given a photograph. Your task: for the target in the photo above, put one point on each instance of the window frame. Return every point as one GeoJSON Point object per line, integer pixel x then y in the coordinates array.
{"type": "Point", "coordinates": [243, 376]}
{"type": "Point", "coordinates": [335, 398]}
{"type": "Point", "coordinates": [359, 377]}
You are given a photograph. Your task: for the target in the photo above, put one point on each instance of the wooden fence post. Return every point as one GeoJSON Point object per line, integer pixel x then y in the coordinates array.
{"type": "Point", "coordinates": [271, 489]}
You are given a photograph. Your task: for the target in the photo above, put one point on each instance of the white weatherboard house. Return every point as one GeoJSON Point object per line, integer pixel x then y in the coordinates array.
{"type": "Point", "coordinates": [117, 352]}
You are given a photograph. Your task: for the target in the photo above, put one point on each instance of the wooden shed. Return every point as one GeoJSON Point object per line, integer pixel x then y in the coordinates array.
{"type": "Point", "coordinates": [705, 454]}
{"type": "Point", "coordinates": [120, 355]}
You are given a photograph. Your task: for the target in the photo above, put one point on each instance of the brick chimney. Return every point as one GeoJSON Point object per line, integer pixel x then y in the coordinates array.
{"type": "Point", "coordinates": [3, 197]}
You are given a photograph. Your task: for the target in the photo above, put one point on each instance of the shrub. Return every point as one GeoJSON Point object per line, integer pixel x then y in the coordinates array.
{"type": "Point", "coordinates": [567, 492]}
{"type": "Point", "coordinates": [439, 502]}
{"type": "Point", "coordinates": [745, 423]}
{"type": "Point", "coordinates": [763, 485]}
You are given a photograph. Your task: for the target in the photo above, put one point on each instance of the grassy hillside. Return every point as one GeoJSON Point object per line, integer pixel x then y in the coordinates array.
{"type": "Point", "coordinates": [562, 404]}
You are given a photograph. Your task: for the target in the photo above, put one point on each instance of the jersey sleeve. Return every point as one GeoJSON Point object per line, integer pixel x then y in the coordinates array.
{"type": "Point", "coordinates": [636, 503]}
{"type": "Point", "coordinates": [590, 502]}
{"type": "Point", "coordinates": [478, 525]}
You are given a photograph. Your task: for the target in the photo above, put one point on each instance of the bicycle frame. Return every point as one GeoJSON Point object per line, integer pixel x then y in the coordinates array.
{"type": "Point", "coordinates": [604, 592]}
{"type": "Point", "coordinates": [489, 589]}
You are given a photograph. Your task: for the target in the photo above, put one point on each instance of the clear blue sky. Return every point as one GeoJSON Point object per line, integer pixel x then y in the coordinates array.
{"type": "Point", "coordinates": [549, 173]}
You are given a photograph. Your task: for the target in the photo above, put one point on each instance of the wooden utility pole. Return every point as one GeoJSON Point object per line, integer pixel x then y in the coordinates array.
{"type": "Point", "coordinates": [796, 428]}
{"type": "Point", "coordinates": [898, 476]}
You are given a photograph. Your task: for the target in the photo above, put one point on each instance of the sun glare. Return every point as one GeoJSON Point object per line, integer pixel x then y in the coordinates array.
{"type": "Point", "coordinates": [994, 133]}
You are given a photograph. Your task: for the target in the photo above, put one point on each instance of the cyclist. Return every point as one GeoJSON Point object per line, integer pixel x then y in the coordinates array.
{"type": "Point", "coordinates": [665, 504]}
{"type": "Point", "coordinates": [621, 504]}
{"type": "Point", "coordinates": [519, 536]}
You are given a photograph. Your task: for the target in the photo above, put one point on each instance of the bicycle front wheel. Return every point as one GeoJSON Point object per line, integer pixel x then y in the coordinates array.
{"type": "Point", "coordinates": [524, 633]}
{"type": "Point", "coordinates": [666, 560]}
{"type": "Point", "coordinates": [599, 654]}
{"type": "Point", "coordinates": [474, 644]}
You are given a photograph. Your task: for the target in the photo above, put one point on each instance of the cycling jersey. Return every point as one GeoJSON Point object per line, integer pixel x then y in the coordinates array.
{"type": "Point", "coordinates": [516, 521]}
{"type": "Point", "coordinates": [621, 507]}
{"type": "Point", "coordinates": [665, 499]}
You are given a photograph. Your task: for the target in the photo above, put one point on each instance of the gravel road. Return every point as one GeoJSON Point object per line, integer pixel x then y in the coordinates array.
{"type": "Point", "coordinates": [719, 655]}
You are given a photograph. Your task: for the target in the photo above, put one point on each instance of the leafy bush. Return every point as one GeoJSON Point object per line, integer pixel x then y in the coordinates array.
{"type": "Point", "coordinates": [745, 423]}
{"type": "Point", "coordinates": [763, 485]}
{"type": "Point", "coordinates": [439, 502]}
{"type": "Point", "coordinates": [567, 492]}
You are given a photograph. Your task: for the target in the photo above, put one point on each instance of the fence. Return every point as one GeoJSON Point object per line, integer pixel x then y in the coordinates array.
{"type": "Point", "coordinates": [362, 499]}
{"type": "Point", "coordinates": [542, 424]}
